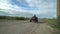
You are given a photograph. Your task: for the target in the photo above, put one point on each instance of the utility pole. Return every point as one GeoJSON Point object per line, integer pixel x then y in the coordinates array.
{"type": "Point", "coordinates": [58, 13]}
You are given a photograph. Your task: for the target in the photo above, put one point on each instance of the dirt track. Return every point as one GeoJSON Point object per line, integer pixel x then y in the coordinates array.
{"type": "Point", "coordinates": [24, 27]}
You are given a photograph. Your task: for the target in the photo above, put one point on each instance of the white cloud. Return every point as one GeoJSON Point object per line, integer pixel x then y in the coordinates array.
{"type": "Point", "coordinates": [28, 1]}
{"type": "Point", "coordinates": [44, 7]}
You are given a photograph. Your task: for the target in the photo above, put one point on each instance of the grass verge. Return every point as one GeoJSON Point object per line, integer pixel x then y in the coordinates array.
{"type": "Point", "coordinates": [53, 23]}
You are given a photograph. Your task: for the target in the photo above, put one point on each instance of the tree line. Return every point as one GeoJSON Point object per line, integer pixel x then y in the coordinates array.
{"type": "Point", "coordinates": [13, 18]}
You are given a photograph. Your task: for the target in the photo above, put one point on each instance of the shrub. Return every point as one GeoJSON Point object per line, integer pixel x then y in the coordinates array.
{"type": "Point", "coordinates": [20, 18]}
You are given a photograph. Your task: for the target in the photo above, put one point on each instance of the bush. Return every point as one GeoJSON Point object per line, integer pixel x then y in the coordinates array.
{"type": "Point", "coordinates": [2, 17]}
{"type": "Point", "coordinates": [13, 18]}
{"type": "Point", "coordinates": [20, 18]}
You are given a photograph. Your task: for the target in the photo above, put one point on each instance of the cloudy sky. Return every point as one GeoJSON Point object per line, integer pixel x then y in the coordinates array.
{"type": "Point", "coordinates": [42, 8]}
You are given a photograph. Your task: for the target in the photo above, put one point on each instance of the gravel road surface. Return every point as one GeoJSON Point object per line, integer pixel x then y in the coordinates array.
{"type": "Point", "coordinates": [24, 27]}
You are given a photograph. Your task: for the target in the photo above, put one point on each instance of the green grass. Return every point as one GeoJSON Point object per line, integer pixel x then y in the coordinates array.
{"type": "Point", "coordinates": [53, 23]}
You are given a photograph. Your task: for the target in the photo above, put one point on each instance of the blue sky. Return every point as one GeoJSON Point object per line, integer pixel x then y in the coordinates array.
{"type": "Point", "coordinates": [42, 8]}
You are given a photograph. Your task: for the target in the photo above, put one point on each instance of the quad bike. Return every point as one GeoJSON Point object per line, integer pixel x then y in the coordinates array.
{"type": "Point", "coordinates": [35, 20]}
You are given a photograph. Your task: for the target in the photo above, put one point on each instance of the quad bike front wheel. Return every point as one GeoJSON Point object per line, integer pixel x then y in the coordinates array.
{"type": "Point", "coordinates": [35, 21]}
